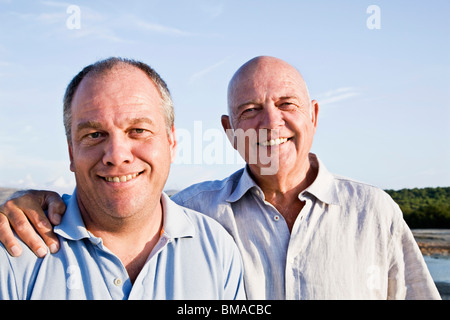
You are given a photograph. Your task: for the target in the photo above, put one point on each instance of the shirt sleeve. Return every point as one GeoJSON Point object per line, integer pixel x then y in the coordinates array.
{"type": "Point", "coordinates": [409, 277]}
{"type": "Point", "coordinates": [234, 282]}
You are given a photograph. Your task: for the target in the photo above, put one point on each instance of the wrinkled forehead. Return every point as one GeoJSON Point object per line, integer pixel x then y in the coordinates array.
{"type": "Point", "coordinates": [266, 80]}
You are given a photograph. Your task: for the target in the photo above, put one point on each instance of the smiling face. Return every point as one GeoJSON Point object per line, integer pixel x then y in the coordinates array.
{"type": "Point", "coordinates": [269, 97]}
{"type": "Point", "coordinates": [120, 150]}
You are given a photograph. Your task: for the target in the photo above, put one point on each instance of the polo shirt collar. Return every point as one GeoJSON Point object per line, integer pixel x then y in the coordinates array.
{"type": "Point", "coordinates": [323, 188]}
{"type": "Point", "coordinates": [72, 226]}
{"type": "Point", "coordinates": [176, 223]}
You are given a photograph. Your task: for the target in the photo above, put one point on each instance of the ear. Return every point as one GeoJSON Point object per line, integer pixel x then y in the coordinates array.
{"type": "Point", "coordinates": [72, 165]}
{"type": "Point", "coordinates": [172, 144]}
{"type": "Point", "coordinates": [314, 112]}
{"type": "Point", "coordinates": [229, 131]}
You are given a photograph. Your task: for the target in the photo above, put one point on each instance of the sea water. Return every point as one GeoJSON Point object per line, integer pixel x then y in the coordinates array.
{"type": "Point", "coordinates": [439, 267]}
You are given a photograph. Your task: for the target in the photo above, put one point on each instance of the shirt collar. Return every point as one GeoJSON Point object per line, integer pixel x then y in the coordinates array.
{"type": "Point", "coordinates": [72, 226]}
{"type": "Point", "coordinates": [323, 187]}
{"type": "Point", "coordinates": [244, 184]}
{"type": "Point", "coordinates": [176, 222]}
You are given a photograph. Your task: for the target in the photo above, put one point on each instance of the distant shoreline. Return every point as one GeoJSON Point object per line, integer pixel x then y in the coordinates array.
{"type": "Point", "coordinates": [433, 242]}
{"type": "Point", "coordinates": [5, 193]}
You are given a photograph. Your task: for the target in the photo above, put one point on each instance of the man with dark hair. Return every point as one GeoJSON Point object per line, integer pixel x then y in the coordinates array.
{"type": "Point", "coordinates": [122, 237]}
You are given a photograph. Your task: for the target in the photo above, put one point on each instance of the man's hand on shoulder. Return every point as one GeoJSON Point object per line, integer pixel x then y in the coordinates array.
{"type": "Point", "coordinates": [24, 213]}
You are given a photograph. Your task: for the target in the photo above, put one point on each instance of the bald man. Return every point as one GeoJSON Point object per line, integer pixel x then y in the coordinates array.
{"type": "Point", "coordinates": [303, 232]}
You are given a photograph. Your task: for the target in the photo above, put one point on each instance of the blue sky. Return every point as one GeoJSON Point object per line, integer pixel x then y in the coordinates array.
{"type": "Point", "coordinates": [384, 94]}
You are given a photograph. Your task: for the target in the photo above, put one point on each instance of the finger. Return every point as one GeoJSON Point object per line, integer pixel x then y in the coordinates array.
{"type": "Point", "coordinates": [56, 207]}
{"type": "Point", "coordinates": [7, 237]}
{"type": "Point", "coordinates": [42, 225]}
{"type": "Point", "coordinates": [24, 230]}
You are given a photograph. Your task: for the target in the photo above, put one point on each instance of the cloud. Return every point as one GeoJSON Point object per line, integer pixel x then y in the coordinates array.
{"type": "Point", "coordinates": [212, 10]}
{"type": "Point", "coordinates": [55, 4]}
{"type": "Point", "coordinates": [97, 32]}
{"type": "Point", "coordinates": [162, 29]}
{"type": "Point", "coordinates": [26, 183]}
{"type": "Point", "coordinates": [92, 23]}
{"type": "Point", "coordinates": [202, 73]}
{"type": "Point", "coordinates": [61, 185]}
{"type": "Point", "coordinates": [337, 95]}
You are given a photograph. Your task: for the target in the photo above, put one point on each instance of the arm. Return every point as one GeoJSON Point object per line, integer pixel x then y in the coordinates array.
{"type": "Point", "coordinates": [25, 210]}
{"type": "Point", "coordinates": [409, 277]}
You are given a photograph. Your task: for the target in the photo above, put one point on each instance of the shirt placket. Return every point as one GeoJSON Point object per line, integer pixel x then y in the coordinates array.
{"type": "Point", "coordinates": [141, 286]}
{"type": "Point", "coordinates": [296, 244]}
{"type": "Point", "coordinates": [114, 273]}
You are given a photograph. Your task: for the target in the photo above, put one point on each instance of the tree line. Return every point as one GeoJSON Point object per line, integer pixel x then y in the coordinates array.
{"type": "Point", "coordinates": [425, 207]}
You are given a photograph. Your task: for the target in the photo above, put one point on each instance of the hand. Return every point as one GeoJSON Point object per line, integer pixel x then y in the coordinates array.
{"type": "Point", "coordinates": [21, 212]}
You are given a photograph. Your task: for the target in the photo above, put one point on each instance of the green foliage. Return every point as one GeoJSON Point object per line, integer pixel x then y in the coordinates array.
{"type": "Point", "coordinates": [424, 208]}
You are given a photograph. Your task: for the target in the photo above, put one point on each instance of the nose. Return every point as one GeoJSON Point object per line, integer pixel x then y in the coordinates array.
{"type": "Point", "coordinates": [272, 117]}
{"type": "Point", "coordinates": [117, 151]}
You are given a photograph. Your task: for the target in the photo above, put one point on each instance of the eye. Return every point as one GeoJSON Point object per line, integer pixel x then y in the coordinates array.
{"type": "Point", "coordinates": [92, 138]}
{"type": "Point", "coordinates": [138, 133]}
{"type": "Point", "coordinates": [287, 106]}
{"type": "Point", "coordinates": [94, 135]}
{"type": "Point", "coordinates": [249, 112]}
{"type": "Point", "coordinates": [139, 130]}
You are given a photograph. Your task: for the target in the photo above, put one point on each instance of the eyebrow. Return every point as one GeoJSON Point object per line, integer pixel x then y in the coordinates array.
{"type": "Point", "coordinates": [239, 107]}
{"type": "Point", "coordinates": [97, 125]}
{"type": "Point", "coordinates": [135, 121]}
{"type": "Point", "coordinates": [288, 98]}
{"type": "Point", "coordinates": [89, 125]}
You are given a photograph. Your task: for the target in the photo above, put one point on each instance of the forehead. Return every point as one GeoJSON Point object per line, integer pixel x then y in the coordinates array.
{"type": "Point", "coordinates": [117, 91]}
{"type": "Point", "coordinates": [266, 81]}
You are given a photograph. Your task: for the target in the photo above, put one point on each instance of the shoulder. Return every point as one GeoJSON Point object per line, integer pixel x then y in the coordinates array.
{"type": "Point", "coordinates": [208, 229]}
{"type": "Point", "coordinates": [366, 198]}
{"type": "Point", "coordinates": [17, 273]}
{"type": "Point", "coordinates": [210, 241]}
{"type": "Point", "coordinates": [360, 192]}
{"type": "Point", "coordinates": [207, 192]}
{"type": "Point", "coordinates": [25, 260]}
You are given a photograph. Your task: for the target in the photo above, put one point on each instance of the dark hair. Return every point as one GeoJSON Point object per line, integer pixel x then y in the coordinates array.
{"type": "Point", "coordinates": [101, 67]}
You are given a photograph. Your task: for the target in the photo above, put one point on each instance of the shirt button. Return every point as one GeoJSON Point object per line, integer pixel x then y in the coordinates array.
{"type": "Point", "coordinates": [118, 282]}
{"type": "Point", "coordinates": [276, 218]}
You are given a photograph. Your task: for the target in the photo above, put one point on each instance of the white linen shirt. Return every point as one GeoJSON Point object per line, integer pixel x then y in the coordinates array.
{"type": "Point", "coordinates": [348, 242]}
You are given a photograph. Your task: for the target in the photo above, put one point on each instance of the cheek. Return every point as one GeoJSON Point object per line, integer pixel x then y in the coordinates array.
{"type": "Point", "coordinates": [154, 154]}
{"type": "Point", "coordinates": [82, 159]}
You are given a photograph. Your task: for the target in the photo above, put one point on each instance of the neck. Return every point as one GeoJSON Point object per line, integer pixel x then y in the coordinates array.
{"type": "Point", "coordinates": [286, 182]}
{"type": "Point", "coordinates": [282, 190]}
{"type": "Point", "coordinates": [131, 239]}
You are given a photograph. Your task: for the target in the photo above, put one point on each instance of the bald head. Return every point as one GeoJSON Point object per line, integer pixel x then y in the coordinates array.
{"type": "Point", "coordinates": [271, 116]}
{"type": "Point", "coordinates": [258, 72]}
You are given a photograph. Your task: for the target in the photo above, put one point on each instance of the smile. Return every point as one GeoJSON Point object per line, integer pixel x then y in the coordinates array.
{"type": "Point", "coordinates": [273, 142]}
{"type": "Point", "coordinates": [124, 178]}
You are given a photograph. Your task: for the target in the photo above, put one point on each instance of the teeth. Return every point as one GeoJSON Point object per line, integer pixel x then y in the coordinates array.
{"type": "Point", "coordinates": [274, 142]}
{"type": "Point", "coordinates": [121, 178]}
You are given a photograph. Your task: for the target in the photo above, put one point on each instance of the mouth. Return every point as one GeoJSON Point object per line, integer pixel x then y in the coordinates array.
{"type": "Point", "coordinates": [273, 142]}
{"type": "Point", "coordinates": [123, 178]}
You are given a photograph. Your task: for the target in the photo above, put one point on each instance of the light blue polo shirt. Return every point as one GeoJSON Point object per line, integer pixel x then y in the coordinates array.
{"type": "Point", "coordinates": [195, 258]}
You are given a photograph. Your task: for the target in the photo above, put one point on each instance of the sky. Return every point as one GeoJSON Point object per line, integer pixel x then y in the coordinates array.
{"type": "Point", "coordinates": [380, 71]}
